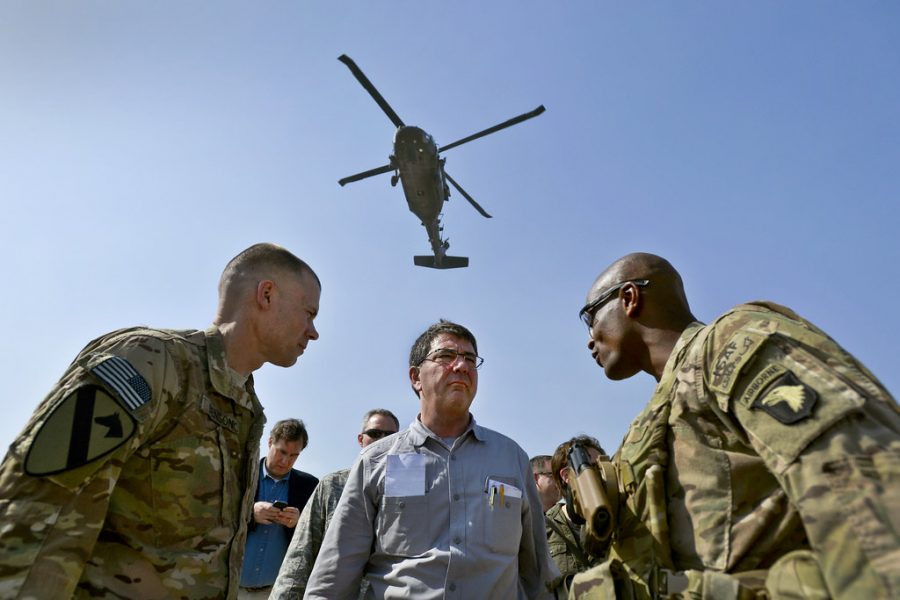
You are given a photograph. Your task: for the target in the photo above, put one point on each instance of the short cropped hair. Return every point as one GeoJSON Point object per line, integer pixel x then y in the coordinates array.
{"type": "Point", "coordinates": [290, 430]}
{"type": "Point", "coordinates": [422, 345]}
{"type": "Point", "coordinates": [262, 258]}
{"type": "Point", "coordinates": [561, 456]}
{"type": "Point", "coordinates": [379, 411]}
{"type": "Point", "coordinates": [537, 462]}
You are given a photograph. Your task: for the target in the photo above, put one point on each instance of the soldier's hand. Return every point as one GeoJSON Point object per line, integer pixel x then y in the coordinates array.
{"type": "Point", "coordinates": [288, 516]}
{"type": "Point", "coordinates": [264, 513]}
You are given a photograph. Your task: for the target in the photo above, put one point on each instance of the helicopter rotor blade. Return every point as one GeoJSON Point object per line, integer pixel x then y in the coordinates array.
{"type": "Point", "coordinates": [361, 77]}
{"type": "Point", "coordinates": [467, 196]}
{"type": "Point", "coordinates": [364, 174]}
{"type": "Point", "coordinates": [490, 130]}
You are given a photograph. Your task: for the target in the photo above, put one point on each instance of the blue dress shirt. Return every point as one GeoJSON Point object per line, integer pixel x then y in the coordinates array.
{"type": "Point", "coordinates": [266, 544]}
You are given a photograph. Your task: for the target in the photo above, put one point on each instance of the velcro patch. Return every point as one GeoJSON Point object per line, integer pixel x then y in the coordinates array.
{"type": "Point", "coordinates": [85, 425]}
{"type": "Point", "coordinates": [787, 399]}
{"type": "Point", "coordinates": [217, 416]}
{"type": "Point", "coordinates": [131, 387]}
{"type": "Point", "coordinates": [732, 358]}
{"type": "Point", "coordinates": [760, 381]}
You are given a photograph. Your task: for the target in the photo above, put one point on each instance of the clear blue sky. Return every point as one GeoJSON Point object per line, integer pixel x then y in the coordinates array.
{"type": "Point", "coordinates": [754, 144]}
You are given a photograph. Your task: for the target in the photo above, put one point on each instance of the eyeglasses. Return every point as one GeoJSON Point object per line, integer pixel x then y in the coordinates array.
{"type": "Point", "coordinates": [377, 434]}
{"type": "Point", "coordinates": [448, 356]}
{"type": "Point", "coordinates": [590, 309]}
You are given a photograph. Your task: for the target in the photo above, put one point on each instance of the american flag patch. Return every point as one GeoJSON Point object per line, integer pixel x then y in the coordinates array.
{"type": "Point", "coordinates": [118, 374]}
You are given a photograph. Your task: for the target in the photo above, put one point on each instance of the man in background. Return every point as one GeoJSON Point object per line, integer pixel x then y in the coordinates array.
{"type": "Point", "coordinates": [565, 538]}
{"type": "Point", "coordinates": [548, 490]}
{"type": "Point", "coordinates": [281, 493]}
{"type": "Point", "coordinates": [304, 548]}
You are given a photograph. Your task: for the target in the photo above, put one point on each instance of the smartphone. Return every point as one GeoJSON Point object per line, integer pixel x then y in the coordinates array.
{"type": "Point", "coordinates": [280, 505]}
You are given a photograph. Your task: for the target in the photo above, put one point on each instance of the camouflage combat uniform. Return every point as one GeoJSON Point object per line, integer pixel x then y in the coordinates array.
{"type": "Point", "coordinates": [767, 456]}
{"type": "Point", "coordinates": [301, 554]}
{"type": "Point", "coordinates": [563, 540]}
{"type": "Point", "coordinates": [162, 515]}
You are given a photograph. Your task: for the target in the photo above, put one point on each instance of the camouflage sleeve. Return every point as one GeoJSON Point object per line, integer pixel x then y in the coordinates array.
{"type": "Point", "coordinates": [304, 548]}
{"type": "Point", "coordinates": [829, 434]}
{"type": "Point", "coordinates": [59, 474]}
{"type": "Point", "coordinates": [349, 538]}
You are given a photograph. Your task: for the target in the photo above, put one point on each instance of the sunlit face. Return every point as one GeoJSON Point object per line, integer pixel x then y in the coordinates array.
{"type": "Point", "coordinates": [376, 422]}
{"type": "Point", "coordinates": [610, 338]}
{"type": "Point", "coordinates": [546, 485]}
{"type": "Point", "coordinates": [446, 390]}
{"type": "Point", "coordinates": [288, 326]}
{"type": "Point", "coordinates": [281, 456]}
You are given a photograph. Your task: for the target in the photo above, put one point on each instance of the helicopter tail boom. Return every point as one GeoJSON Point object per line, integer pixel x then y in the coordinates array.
{"type": "Point", "coordinates": [446, 262]}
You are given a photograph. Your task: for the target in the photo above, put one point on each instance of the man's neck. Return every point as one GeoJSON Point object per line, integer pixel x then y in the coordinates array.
{"type": "Point", "coordinates": [660, 346]}
{"type": "Point", "coordinates": [445, 427]}
{"type": "Point", "coordinates": [239, 354]}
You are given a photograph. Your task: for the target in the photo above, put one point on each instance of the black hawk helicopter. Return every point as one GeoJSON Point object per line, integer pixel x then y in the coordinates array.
{"type": "Point", "coordinates": [417, 165]}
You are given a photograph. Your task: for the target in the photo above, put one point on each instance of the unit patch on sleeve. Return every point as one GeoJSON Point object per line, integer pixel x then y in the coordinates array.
{"type": "Point", "coordinates": [85, 425]}
{"type": "Point", "coordinates": [787, 399]}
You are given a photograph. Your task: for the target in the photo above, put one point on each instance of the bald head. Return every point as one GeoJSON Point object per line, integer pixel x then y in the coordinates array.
{"type": "Point", "coordinates": [637, 309]}
{"type": "Point", "coordinates": [667, 296]}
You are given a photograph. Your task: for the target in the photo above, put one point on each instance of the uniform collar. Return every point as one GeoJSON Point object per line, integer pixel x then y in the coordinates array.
{"type": "Point", "coordinates": [226, 380]}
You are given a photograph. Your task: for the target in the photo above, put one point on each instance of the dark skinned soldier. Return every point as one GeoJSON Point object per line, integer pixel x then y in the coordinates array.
{"type": "Point", "coordinates": [766, 464]}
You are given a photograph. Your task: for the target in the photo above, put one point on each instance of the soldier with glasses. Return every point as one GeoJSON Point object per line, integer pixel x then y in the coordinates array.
{"type": "Point", "coordinates": [766, 464]}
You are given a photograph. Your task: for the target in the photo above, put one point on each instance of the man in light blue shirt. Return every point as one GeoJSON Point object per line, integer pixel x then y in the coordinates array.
{"type": "Point", "coordinates": [281, 494]}
{"type": "Point", "coordinates": [445, 509]}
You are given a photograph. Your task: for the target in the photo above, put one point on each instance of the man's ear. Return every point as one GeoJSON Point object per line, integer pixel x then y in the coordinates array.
{"type": "Point", "coordinates": [414, 379]}
{"type": "Point", "coordinates": [564, 475]}
{"type": "Point", "coordinates": [265, 289]}
{"type": "Point", "coordinates": [632, 300]}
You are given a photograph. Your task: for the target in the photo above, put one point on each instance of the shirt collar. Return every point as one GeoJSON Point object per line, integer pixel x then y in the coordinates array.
{"type": "Point", "coordinates": [265, 473]}
{"type": "Point", "coordinates": [418, 432]}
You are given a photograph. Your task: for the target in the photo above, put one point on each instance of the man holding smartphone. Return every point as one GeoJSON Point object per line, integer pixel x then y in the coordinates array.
{"type": "Point", "coordinates": [281, 493]}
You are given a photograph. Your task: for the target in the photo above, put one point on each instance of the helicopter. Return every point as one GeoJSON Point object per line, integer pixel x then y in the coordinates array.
{"type": "Point", "coordinates": [417, 164]}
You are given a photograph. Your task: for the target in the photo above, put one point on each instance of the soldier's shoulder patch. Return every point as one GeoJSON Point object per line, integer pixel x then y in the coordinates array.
{"type": "Point", "coordinates": [84, 426]}
{"type": "Point", "coordinates": [731, 359]}
{"type": "Point", "coordinates": [124, 380]}
{"type": "Point", "coordinates": [785, 398]}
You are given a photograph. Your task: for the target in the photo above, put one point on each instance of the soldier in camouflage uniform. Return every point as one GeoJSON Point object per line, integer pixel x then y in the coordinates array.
{"type": "Point", "coordinates": [569, 549]}
{"type": "Point", "coordinates": [766, 464]}
{"type": "Point", "coordinates": [301, 554]}
{"type": "Point", "coordinates": [133, 477]}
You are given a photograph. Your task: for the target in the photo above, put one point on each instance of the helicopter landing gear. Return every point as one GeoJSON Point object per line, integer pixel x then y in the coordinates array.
{"type": "Point", "coordinates": [394, 179]}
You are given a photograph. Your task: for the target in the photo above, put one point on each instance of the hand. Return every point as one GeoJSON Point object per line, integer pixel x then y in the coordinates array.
{"type": "Point", "coordinates": [288, 516]}
{"type": "Point", "coordinates": [265, 514]}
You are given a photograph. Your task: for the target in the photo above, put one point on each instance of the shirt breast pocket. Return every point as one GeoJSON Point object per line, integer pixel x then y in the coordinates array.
{"type": "Point", "coordinates": [503, 516]}
{"type": "Point", "coordinates": [402, 524]}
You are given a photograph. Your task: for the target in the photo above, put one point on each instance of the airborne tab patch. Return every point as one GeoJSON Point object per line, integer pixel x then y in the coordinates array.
{"type": "Point", "coordinates": [787, 399]}
{"type": "Point", "coordinates": [85, 425]}
{"type": "Point", "coordinates": [118, 374]}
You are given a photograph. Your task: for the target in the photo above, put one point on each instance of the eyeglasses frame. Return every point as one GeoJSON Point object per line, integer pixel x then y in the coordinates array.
{"type": "Point", "coordinates": [590, 309]}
